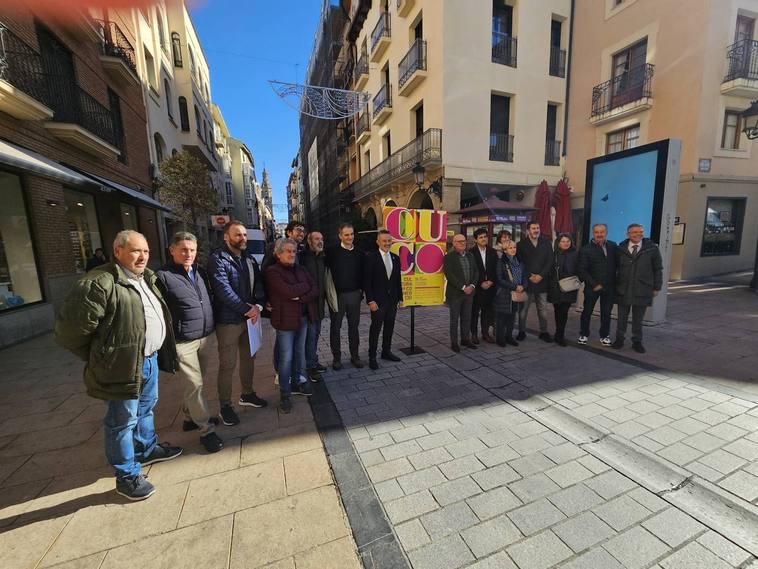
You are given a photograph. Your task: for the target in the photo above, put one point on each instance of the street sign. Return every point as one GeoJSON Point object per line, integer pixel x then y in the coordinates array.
{"type": "Point", "coordinates": [219, 221]}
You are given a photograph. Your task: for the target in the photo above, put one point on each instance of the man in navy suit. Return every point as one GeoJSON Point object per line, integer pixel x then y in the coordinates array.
{"type": "Point", "coordinates": [384, 291]}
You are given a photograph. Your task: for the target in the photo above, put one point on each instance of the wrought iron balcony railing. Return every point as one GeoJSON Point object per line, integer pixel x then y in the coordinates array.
{"type": "Point", "coordinates": [21, 66]}
{"type": "Point", "coordinates": [364, 123]}
{"type": "Point", "coordinates": [383, 99]}
{"type": "Point", "coordinates": [633, 85]}
{"type": "Point", "coordinates": [501, 147]}
{"type": "Point", "coordinates": [115, 44]}
{"type": "Point", "coordinates": [72, 104]}
{"type": "Point", "coordinates": [425, 149]}
{"type": "Point", "coordinates": [413, 61]}
{"type": "Point", "coordinates": [742, 60]}
{"type": "Point", "coordinates": [552, 153]}
{"type": "Point", "coordinates": [361, 68]}
{"type": "Point", "coordinates": [381, 30]}
{"type": "Point", "coordinates": [557, 62]}
{"type": "Point", "coordinates": [504, 48]}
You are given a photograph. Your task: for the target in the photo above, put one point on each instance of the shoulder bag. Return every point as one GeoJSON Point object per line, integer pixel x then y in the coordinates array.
{"type": "Point", "coordinates": [516, 296]}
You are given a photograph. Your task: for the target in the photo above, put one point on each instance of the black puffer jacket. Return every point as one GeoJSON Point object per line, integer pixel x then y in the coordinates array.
{"type": "Point", "coordinates": [594, 267]}
{"type": "Point", "coordinates": [189, 302]}
{"type": "Point", "coordinates": [564, 265]}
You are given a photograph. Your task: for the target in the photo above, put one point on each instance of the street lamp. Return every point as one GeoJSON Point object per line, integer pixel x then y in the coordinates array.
{"type": "Point", "coordinates": [419, 172]}
{"type": "Point", "coordinates": [750, 119]}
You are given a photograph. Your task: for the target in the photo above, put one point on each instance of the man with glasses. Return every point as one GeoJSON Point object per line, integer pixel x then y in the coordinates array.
{"type": "Point", "coordinates": [462, 275]}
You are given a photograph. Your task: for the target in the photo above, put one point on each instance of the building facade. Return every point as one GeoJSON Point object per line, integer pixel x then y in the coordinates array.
{"type": "Point", "coordinates": [74, 163]}
{"type": "Point", "coordinates": [644, 71]}
{"type": "Point", "coordinates": [295, 197]}
{"type": "Point", "coordinates": [246, 202]}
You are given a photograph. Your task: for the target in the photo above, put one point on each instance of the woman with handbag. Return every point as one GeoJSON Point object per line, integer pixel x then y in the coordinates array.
{"type": "Point", "coordinates": [510, 293]}
{"type": "Point", "coordinates": [564, 284]}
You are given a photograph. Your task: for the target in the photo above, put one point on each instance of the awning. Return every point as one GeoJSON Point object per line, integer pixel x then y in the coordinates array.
{"type": "Point", "coordinates": [17, 157]}
{"type": "Point", "coordinates": [136, 194]}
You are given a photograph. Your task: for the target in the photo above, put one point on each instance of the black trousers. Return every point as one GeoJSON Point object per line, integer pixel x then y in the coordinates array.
{"type": "Point", "coordinates": [561, 310]}
{"type": "Point", "coordinates": [382, 319]}
{"type": "Point", "coordinates": [460, 311]}
{"type": "Point", "coordinates": [638, 313]}
{"type": "Point", "coordinates": [482, 308]}
{"type": "Point", "coordinates": [350, 305]}
{"type": "Point", "coordinates": [504, 326]}
{"type": "Point", "coordinates": [591, 297]}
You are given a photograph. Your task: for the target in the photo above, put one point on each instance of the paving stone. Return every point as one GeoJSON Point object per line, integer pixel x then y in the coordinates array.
{"type": "Point", "coordinates": [448, 520]}
{"type": "Point", "coordinates": [673, 526]}
{"type": "Point", "coordinates": [408, 433]}
{"type": "Point", "coordinates": [531, 444]}
{"type": "Point", "coordinates": [431, 457]}
{"type": "Point", "coordinates": [680, 454]}
{"type": "Point", "coordinates": [610, 484]}
{"type": "Point", "coordinates": [455, 490]}
{"type": "Point", "coordinates": [442, 424]}
{"type": "Point", "coordinates": [621, 512]}
{"type": "Point", "coordinates": [568, 474]}
{"type": "Point", "coordinates": [630, 429]}
{"type": "Point", "coordinates": [465, 447]}
{"type": "Point", "coordinates": [461, 467]}
{"type": "Point", "coordinates": [744, 449]}
{"type": "Point", "coordinates": [411, 506]}
{"type": "Point", "coordinates": [575, 499]}
{"type": "Point", "coordinates": [495, 476]}
{"type": "Point", "coordinates": [373, 442]}
{"type": "Point", "coordinates": [535, 517]}
{"type": "Point", "coordinates": [487, 537]}
{"type": "Point", "coordinates": [742, 484]}
{"type": "Point", "coordinates": [647, 443]}
{"type": "Point", "coordinates": [436, 440]}
{"type": "Point", "coordinates": [594, 559]}
{"type": "Point", "coordinates": [665, 435]}
{"type": "Point", "coordinates": [387, 470]}
{"type": "Point", "coordinates": [534, 487]}
{"type": "Point", "coordinates": [648, 499]}
{"type": "Point", "coordinates": [421, 480]}
{"type": "Point", "coordinates": [635, 548]}
{"type": "Point", "coordinates": [399, 450]}
{"type": "Point", "coordinates": [389, 490]}
{"type": "Point", "coordinates": [583, 531]}
{"type": "Point", "coordinates": [704, 442]}
{"type": "Point", "coordinates": [724, 548]}
{"type": "Point", "coordinates": [498, 455]}
{"type": "Point", "coordinates": [412, 535]}
{"type": "Point", "coordinates": [498, 561]}
{"type": "Point", "coordinates": [371, 458]}
{"type": "Point", "coordinates": [452, 549]}
{"type": "Point", "coordinates": [722, 461]}
{"type": "Point", "coordinates": [704, 471]}
{"type": "Point", "coordinates": [531, 464]}
{"type": "Point", "coordinates": [730, 408]}
{"type": "Point", "coordinates": [595, 465]}
{"type": "Point", "coordinates": [694, 556]}
{"type": "Point", "coordinates": [710, 417]}
{"type": "Point", "coordinates": [675, 412]}
{"type": "Point", "coordinates": [564, 453]}
{"type": "Point", "coordinates": [493, 503]}
{"type": "Point", "coordinates": [539, 552]}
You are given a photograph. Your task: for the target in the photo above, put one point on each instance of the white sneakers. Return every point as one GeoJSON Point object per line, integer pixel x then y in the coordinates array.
{"type": "Point", "coordinates": [606, 341]}
{"type": "Point", "coordinates": [582, 340]}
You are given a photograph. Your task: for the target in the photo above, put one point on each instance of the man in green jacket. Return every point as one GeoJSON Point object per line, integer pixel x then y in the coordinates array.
{"type": "Point", "coordinates": [115, 319]}
{"type": "Point", "coordinates": [461, 274]}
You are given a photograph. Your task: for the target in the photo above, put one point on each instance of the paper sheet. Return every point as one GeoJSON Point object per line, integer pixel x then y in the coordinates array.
{"type": "Point", "coordinates": [255, 334]}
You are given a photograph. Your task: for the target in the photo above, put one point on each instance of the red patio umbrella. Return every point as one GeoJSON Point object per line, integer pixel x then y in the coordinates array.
{"type": "Point", "coordinates": [562, 204]}
{"type": "Point", "coordinates": [542, 205]}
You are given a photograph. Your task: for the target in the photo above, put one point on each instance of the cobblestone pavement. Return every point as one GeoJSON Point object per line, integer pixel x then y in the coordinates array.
{"type": "Point", "coordinates": [267, 498]}
{"type": "Point", "coordinates": [541, 456]}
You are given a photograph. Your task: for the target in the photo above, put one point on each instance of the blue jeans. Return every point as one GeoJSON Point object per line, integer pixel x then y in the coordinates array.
{"type": "Point", "coordinates": [311, 344]}
{"type": "Point", "coordinates": [291, 356]}
{"type": "Point", "coordinates": [129, 429]}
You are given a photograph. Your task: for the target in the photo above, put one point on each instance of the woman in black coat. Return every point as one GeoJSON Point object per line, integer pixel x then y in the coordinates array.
{"type": "Point", "coordinates": [564, 265]}
{"type": "Point", "coordinates": [509, 277]}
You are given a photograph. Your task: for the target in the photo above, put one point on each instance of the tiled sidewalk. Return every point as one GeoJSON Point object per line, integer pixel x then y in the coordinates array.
{"type": "Point", "coordinates": [267, 497]}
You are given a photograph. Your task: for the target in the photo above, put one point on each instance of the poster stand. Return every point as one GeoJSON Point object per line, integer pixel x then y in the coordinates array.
{"type": "Point", "coordinates": [413, 349]}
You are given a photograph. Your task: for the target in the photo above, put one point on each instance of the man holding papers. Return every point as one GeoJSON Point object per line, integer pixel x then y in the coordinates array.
{"type": "Point", "coordinates": [238, 294]}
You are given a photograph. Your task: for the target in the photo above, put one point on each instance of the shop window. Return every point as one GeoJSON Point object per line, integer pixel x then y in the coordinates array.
{"type": "Point", "coordinates": [83, 229]}
{"type": "Point", "coordinates": [128, 217]}
{"type": "Point", "coordinates": [19, 280]}
{"type": "Point", "coordinates": [722, 233]}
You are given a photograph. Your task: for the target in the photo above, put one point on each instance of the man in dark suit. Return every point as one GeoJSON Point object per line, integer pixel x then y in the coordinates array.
{"type": "Point", "coordinates": [462, 275]}
{"type": "Point", "coordinates": [536, 253]}
{"type": "Point", "coordinates": [384, 291]}
{"type": "Point", "coordinates": [486, 263]}
{"type": "Point", "coordinates": [596, 267]}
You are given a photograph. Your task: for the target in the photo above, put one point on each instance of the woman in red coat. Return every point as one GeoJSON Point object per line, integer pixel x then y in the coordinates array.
{"type": "Point", "coordinates": [290, 290]}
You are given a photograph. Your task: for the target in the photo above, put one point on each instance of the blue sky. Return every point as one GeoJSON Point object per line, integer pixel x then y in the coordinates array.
{"type": "Point", "coordinates": [248, 42]}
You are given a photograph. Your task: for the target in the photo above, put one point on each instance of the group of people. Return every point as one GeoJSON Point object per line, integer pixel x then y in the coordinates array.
{"type": "Point", "coordinates": [487, 288]}
{"type": "Point", "coordinates": [127, 322]}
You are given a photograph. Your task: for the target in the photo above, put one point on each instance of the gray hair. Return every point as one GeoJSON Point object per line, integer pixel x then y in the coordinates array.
{"type": "Point", "coordinates": [600, 225]}
{"type": "Point", "coordinates": [183, 236]}
{"type": "Point", "coordinates": [281, 243]}
{"type": "Point", "coordinates": [123, 236]}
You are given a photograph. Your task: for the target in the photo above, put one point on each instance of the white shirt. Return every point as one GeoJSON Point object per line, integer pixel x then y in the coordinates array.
{"type": "Point", "coordinates": [639, 247]}
{"type": "Point", "coordinates": [347, 248]}
{"type": "Point", "coordinates": [483, 253]}
{"type": "Point", "coordinates": [155, 325]}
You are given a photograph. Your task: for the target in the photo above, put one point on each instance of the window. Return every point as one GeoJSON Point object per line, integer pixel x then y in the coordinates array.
{"type": "Point", "coordinates": [502, 17]}
{"type": "Point", "coordinates": [744, 29]}
{"type": "Point", "coordinates": [722, 233]}
{"type": "Point", "coordinates": [552, 145]}
{"type": "Point", "coordinates": [730, 135]}
{"type": "Point", "coordinates": [192, 60]}
{"type": "Point", "coordinates": [176, 49]}
{"type": "Point", "coordinates": [184, 114]}
{"type": "Point", "coordinates": [366, 161]}
{"type": "Point", "coordinates": [83, 229]}
{"type": "Point", "coordinates": [418, 30]}
{"type": "Point", "coordinates": [19, 281]}
{"type": "Point", "coordinates": [150, 67]}
{"type": "Point", "coordinates": [629, 74]}
{"type": "Point", "coordinates": [128, 217]}
{"type": "Point", "coordinates": [169, 99]}
{"type": "Point", "coordinates": [229, 195]}
{"type": "Point", "coordinates": [198, 124]}
{"type": "Point", "coordinates": [386, 145]}
{"type": "Point", "coordinates": [118, 124]}
{"type": "Point", "coordinates": [161, 31]}
{"type": "Point", "coordinates": [622, 139]}
{"type": "Point", "coordinates": [418, 115]}
{"type": "Point", "coordinates": [160, 148]}
{"type": "Point", "coordinates": [501, 142]}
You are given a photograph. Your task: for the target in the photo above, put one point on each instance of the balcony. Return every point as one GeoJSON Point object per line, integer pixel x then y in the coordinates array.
{"type": "Point", "coordinates": [501, 147]}
{"type": "Point", "coordinates": [412, 68]}
{"type": "Point", "coordinates": [360, 73]}
{"type": "Point", "coordinates": [624, 95]}
{"type": "Point", "coordinates": [552, 153]}
{"type": "Point", "coordinates": [382, 104]}
{"type": "Point", "coordinates": [403, 7]}
{"type": "Point", "coordinates": [380, 37]}
{"type": "Point", "coordinates": [504, 49]}
{"type": "Point", "coordinates": [363, 129]}
{"type": "Point", "coordinates": [81, 120]}
{"type": "Point", "coordinates": [117, 54]}
{"type": "Point", "coordinates": [741, 79]}
{"type": "Point", "coordinates": [398, 167]}
{"type": "Point", "coordinates": [23, 89]}
{"type": "Point", "coordinates": [557, 61]}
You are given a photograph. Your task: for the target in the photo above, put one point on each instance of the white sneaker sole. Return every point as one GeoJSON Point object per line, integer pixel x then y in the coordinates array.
{"type": "Point", "coordinates": [135, 498]}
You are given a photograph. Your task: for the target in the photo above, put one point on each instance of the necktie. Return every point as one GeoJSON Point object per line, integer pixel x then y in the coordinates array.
{"type": "Point", "coordinates": [634, 250]}
{"type": "Point", "coordinates": [387, 264]}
